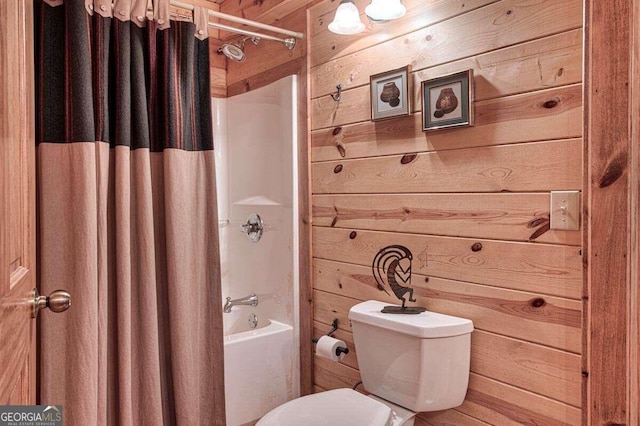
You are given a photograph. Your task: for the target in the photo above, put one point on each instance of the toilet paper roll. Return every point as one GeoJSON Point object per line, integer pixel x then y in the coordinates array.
{"type": "Point", "coordinates": [327, 346]}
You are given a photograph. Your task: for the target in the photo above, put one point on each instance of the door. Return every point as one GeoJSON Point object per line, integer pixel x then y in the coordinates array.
{"type": "Point", "coordinates": [17, 204]}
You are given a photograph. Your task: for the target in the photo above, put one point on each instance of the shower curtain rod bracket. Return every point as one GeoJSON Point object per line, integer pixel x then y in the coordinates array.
{"type": "Point", "coordinates": [290, 43]}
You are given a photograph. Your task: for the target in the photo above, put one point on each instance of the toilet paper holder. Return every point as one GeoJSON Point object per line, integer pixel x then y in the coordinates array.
{"type": "Point", "coordinates": [334, 327]}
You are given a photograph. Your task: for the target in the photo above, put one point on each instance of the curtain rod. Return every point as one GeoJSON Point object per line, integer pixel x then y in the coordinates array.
{"type": "Point", "coordinates": [239, 20]}
{"type": "Point", "coordinates": [286, 42]}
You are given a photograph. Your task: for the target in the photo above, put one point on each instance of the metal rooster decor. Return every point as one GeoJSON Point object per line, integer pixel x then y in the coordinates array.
{"type": "Point", "coordinates": [391, 269]}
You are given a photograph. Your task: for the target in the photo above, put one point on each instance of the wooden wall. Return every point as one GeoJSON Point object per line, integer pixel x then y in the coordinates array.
{"type": "Point", "coordinates": [634, 243]}
{"type": "Point", "coordinates": [218, 66]}
{"type": "Point", "coordinates": [612, 187]}
{"type": "Point", "coordinates": [439, 193]}
{"type": "Point", "coordinates": [217, 61]}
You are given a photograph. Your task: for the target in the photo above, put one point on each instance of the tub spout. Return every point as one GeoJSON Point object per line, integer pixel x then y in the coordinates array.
{"type": "Point", "coordinates": [250, 300]}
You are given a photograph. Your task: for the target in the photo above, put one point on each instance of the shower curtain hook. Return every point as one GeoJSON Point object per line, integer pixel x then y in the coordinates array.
{"type": "Point", "coordinates": [336, 97]}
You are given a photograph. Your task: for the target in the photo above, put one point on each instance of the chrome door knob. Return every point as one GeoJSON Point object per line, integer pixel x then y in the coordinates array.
{"type": "Point", "coordinates": [57, 301]}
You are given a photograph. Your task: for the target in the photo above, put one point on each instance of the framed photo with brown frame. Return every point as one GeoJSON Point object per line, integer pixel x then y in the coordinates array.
{"type": "Point", "coordinates": [447, 101]}
{"type": "Point", "coordinates": [390, 93]}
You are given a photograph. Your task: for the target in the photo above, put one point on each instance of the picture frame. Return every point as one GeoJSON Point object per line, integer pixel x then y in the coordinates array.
{"type": "Point", "coordinates": [447, 101]}
{"type": "Point", "coordinates": [390, 94]}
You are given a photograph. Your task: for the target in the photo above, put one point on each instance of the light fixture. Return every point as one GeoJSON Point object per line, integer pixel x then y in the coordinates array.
{"type": "Point", "coordinates": [347, 20]}
{"type": "Point", "coordinates": [385, 10]}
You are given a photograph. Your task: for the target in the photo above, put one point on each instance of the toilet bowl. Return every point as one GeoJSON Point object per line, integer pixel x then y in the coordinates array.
{"type": "Point", "coordinates": [409, 364]}
{"type": "Point", "coordinates": [338, 407]}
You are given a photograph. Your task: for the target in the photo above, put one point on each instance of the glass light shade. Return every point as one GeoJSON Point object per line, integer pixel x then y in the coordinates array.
{"type": "Point", "coordinates": [385, 10]}
{"type": "Point", "coordinates": [347, 20]}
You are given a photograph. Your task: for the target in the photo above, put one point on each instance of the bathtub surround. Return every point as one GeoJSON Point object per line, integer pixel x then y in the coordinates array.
{"type": "Point", "coordinates": [259, 151]}
{"type": "Point", "coordinates": [127, 222]}
{"type": "Point", "coordinates": [268, 65]}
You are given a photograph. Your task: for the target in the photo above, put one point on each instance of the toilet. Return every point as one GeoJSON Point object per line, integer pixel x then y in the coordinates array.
{"type": "Point", "coordinates": [408, 364]}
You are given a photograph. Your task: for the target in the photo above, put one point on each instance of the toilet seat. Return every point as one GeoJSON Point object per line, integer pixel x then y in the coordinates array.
{"type": "Point", "coordinates": [330, 408]}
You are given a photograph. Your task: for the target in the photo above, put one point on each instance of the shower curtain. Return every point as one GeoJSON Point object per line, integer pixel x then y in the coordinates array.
{"type": "Point", "coordinates": [127, 215]}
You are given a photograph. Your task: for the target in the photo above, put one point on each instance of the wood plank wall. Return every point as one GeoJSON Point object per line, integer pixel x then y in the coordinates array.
{"type": "Point", "coordinates": [218, 67]}
{"type": "Point", "coordinates": [487, 184]}
{"type": "Point", "coordinates": [217, 61]}
{"type": "Point", "coordinates": [634, 190]}
{"type": "Point", "coordinates": [612, 187]}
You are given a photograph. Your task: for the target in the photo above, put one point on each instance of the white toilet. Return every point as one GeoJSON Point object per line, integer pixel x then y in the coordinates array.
{"type": "Point", "coordinates": [409, 364]}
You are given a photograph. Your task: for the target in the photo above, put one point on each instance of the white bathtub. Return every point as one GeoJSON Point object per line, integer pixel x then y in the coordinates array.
{"type": "Point", "coordinates": [257, 371]}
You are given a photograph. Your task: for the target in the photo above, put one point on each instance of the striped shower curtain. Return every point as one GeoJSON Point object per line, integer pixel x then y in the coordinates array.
{"type": "Point", "coordinates": [127, 215]}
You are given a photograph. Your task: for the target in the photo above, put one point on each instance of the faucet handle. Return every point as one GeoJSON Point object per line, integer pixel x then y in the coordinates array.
{"type": "Point", "coordinates": [248, 228]}
{"type": "Point", "coordinates": [253, 228]}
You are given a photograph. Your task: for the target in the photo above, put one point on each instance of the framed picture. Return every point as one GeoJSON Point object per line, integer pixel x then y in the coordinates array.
{"type": "Point", "coordinates": [448, 101]}
{"type": "Point", "coordinates": [390, 94]}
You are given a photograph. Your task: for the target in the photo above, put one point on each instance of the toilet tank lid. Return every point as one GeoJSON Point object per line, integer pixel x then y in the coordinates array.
{"type": "Point", "coordinates": [426, 325]}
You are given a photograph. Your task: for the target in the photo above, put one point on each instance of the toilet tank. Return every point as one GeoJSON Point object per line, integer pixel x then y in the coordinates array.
{"type": "Point", "coordinates": [420, 362]}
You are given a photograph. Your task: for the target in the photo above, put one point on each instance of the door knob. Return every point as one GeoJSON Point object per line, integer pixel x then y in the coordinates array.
{"type": "Point", "coordinates": [57, 301]}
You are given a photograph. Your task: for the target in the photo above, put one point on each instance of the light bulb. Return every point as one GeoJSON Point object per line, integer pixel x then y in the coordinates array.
{"type": "Point", "coordinates": [385, 10]}
{"type": "Point", "coordinates": [347, 20]}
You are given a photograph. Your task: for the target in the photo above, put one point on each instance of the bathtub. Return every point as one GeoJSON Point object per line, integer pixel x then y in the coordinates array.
{"type": "Point", "coordinates": [257, 371]}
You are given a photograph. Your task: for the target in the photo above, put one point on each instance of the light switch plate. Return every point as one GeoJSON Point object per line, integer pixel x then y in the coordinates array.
{"type": "Point", "coordinates": [565, 210]}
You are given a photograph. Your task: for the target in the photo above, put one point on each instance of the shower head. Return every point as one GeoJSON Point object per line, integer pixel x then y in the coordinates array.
{"type": "Point", "coordinates": [232, 52]}
{"type": "Point", "coordinates": [235, 52]}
